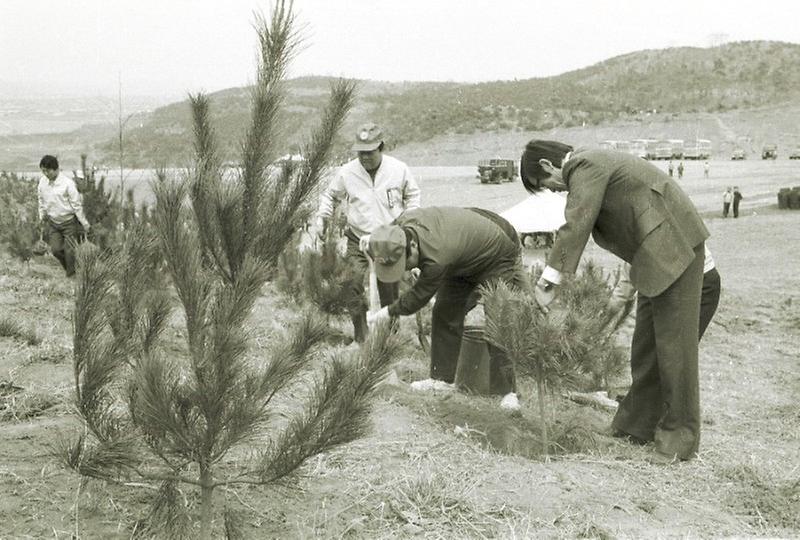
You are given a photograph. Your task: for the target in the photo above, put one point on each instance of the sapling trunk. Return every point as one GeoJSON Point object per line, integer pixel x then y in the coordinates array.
{"type": "Point", "coordinates": [206, 501]}
{"type": "Point", "coordinates": [540, 390]}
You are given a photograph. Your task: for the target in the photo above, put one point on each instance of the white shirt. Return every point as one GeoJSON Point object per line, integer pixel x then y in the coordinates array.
{"type": "Point", "coordinates": [59, 200]}
{"type": "Point", "coordinates": [371, 204]}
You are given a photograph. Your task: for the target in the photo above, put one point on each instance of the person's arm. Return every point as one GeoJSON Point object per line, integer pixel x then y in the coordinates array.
{"type": "Point", "coordinates": [42, 207]}
{"type": "Point", "coordinates": [420, 294]}
{"type": "Point", "coordinates": [587, 188]}
{"type": "Point", "coordinates": [76, 202]}
{"type": "Point", "coordinates": [411, 191]}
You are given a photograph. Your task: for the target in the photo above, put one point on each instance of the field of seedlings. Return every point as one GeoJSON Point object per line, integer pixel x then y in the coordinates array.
{"type": "Point", "coordinates": [445, 465]}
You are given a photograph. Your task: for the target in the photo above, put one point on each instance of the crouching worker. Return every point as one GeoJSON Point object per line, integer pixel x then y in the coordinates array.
{"type": "Point", "coordinates": [456, 251]}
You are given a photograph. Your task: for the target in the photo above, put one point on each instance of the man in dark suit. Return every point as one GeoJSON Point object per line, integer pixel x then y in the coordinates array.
{"type": "Point", "coordinates": [637, 212]}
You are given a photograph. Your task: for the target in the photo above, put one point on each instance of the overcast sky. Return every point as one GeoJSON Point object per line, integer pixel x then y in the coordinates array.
{"type": "Point", "coordinates": [170, 47]}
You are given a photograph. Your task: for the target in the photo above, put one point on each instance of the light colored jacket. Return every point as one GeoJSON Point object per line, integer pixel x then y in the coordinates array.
{"type": "Point", "coordinates": [60, 200]}
{"type": "Point", "coordinates": [371, 205]}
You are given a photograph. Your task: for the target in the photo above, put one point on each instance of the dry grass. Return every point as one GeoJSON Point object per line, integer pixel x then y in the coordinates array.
{"type": "Point", "coordinates": [762, 498]}
{"type": "Point", "coordinates": [30, 404]}
{"type": "Point", "coordinates": [14, 329]}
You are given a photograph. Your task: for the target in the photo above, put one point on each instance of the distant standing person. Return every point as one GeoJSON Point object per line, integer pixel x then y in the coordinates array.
{"type": "Point", "coordinates": [727, 198]}
{"type": "Point", "coordinates": [706, 167]}
{"type": "Point", "coordinates": [737, 197]}
{"type": "Point", "coordinates": [680, 169]}
{"type": "Point", "coordinates": [61, 212]}
{"type": "Point", "coordinates": [670, 168]}
{"type": "Point", "coordinates": [378, 188]}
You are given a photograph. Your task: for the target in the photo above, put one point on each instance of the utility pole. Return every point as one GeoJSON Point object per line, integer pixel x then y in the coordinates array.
{"type": "Point", "coordinates": [121, 154]}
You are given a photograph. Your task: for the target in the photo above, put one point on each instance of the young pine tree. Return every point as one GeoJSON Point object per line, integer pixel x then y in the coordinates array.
{"type": "Point", "coordinates": [185, 412]}
{"type": "Point", "coordinates": [556, 349]}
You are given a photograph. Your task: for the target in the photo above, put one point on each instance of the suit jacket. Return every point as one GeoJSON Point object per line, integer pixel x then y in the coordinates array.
{"type": "Point", "coordinates": [632, 209]}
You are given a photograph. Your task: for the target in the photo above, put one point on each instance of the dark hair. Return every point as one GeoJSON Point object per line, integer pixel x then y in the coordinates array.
{"type": "Point", "coordinates": [48, 162]}
{"type": "Point", "coordinates": [380, 147]}
{"type": "Point", "coordinates": [530, 172]}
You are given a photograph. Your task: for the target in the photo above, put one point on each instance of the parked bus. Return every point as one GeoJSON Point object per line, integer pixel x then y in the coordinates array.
{"type": "Point", "coordinates": [677, 148]}
{"type": "Point", "coordinates": [663, 150]}
{"type": "Point", "coordinates": [697, 149]}
{"type": "Point", "coordinates": [639, 147]}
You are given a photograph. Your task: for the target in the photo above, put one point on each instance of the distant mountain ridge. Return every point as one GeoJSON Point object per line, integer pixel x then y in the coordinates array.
{"type": "Point", "coordinates": [634, 89]}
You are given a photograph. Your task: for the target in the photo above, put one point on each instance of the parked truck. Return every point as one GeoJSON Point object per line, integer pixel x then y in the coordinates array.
{"type": "Point", "coordinates": [496, 170]}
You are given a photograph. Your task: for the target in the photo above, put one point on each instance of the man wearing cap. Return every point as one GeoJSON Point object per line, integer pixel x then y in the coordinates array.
{"type": "Point", "coordinates": [378, 188]}
{"type": "Point", "coordinates": [637, 212]}
{"type": "Point", "coordinates": [61, 212]}
{"type": "Point", "coordinates": [456, 250]}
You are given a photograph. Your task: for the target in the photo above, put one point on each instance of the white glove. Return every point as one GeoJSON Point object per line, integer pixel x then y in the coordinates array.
{"type": "Point", "coordinates": [544, 293]}
{"type": "Point", "coordinates": [375, 317]}
{"type": "Point", "coordinates": [363, 243]}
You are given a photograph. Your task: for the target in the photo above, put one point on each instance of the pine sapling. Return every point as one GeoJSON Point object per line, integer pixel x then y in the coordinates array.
{"type": "Point", "coordinates": [186, 410]}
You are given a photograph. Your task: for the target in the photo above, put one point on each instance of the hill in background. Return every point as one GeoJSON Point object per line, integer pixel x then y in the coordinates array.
{"type": "Point", "coordinates": [743, 93]}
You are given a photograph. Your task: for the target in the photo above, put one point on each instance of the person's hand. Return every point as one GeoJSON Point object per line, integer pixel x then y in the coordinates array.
{"type": "Point", "coordinates": [544, 292]}
{"type": "Point", "coordinates": [375, 317]}
{"type": "Point", "coordinates": [415, 272]}
{"type": "Point", "coordinates": [363, 243]}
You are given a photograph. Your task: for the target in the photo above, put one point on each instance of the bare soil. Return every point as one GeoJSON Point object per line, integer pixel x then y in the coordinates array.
{"type": "Point", "coordinates": [453, 465]}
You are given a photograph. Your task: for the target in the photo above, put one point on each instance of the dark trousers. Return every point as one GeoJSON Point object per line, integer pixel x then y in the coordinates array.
{"type": "Point", "coordinates": [63, 238]}
{"type": "Point", "coordinates": [454, 299]}
{"type": "Point", "coordinates": [735, 208]}
{"type": "Point", "coordinates": [357, 305]}
{"type": "Point", "coordinates": [726, 206]}
{"type": "Point", "coordinates": [663, 403]}
{"type": "Point", "coordinates": [709, 299]}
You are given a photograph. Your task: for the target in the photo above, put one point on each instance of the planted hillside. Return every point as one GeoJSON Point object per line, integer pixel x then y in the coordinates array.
{"type": "Point", "coordinates": [678, 80]}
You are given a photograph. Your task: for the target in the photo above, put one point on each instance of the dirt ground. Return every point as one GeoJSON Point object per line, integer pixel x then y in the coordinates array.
{"type": "Point", "coordinates": [456, 466]}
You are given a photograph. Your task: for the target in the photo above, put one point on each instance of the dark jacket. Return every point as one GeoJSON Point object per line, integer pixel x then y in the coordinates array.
{"type": "Point", "coordinates": [632, 209]}
{"type": "Point", "coordinates": [474, 245]}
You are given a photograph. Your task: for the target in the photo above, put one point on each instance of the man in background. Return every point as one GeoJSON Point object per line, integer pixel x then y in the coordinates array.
{"type": "Point", "coordinates": [61, 212]}
{"type": "Point", "coordinates": [737, 198]}
{"type": "Point", "coordinates": [727, 197]}
{"type": "Point", "coordinates": [377, 188]}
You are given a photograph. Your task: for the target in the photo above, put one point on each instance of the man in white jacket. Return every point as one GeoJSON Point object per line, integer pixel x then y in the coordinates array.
{"type": "Point", "coordinates": [61, 212]}
{"type": "Point", "coordinates": [378, 188]}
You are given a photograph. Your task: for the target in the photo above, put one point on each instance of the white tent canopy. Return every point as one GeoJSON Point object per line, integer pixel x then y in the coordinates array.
{"type": "Point", "coordinates": [541, 212]}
